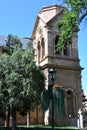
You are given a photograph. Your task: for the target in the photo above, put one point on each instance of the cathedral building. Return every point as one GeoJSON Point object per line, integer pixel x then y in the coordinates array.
{"type": "Point", "coordinates": [66, 62]}
{"type": "Point", "coordinates": [45, 37]}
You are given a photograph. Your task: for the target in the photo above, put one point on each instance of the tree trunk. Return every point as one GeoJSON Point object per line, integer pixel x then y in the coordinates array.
{"type": "Point", "coordinates": [14, 119]}
{"type": "Point", "coordinates": [37, 113]}
{"type": "Point", "coordinates": [7, 117]}
{"type": "Point", "coordinates": [28, 117]}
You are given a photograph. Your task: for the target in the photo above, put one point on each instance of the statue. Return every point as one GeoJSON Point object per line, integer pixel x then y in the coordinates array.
{"type": "Point", "coordinates": [80, 119]}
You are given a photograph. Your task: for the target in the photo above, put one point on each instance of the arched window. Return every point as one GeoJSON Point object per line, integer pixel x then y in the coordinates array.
{"type": "Point", "coordinates": [65, 50]}
{"type": "Point", "coordinates": [43, 47]}
{"type": "Point", "coordinates": [56, 42]}
{"type": "Point", "coordinates": [70, 109]}
{"type": "Point", "coordinates": [39, 50]}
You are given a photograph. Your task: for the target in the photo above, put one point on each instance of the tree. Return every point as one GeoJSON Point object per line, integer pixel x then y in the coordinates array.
{"type": "Point", "coordinates": [31, 79]}
{"type": "Point", "coordinates": [4, 95]}
{"type": "Point", "coordinates": [76, 13]}
{"type": "Point", "coordinates": [21, 81]}
{"type": "Point", "coordinates": [30, 76]}
{"type": "Point", "coordinates": [13, 41]}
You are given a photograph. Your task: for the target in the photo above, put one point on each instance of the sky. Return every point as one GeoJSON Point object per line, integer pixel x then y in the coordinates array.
{"type": "Point", "coordinates": [17, 17]}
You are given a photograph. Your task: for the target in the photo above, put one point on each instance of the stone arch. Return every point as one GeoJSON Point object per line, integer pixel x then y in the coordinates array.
{"type": "Point", "coordinates": [43, 46]}
{"type": "Point", "coordinates": [39, 50]}
{"type": "Point", "coordinates": [69, 102]}
{"type": "Point", "coordinates": [56, 42]}
{"type": "Point", "coordinates": [65, 50]}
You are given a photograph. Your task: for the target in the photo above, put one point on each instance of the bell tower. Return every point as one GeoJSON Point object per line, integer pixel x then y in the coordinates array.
{"type": "Point", "coordinates": [66, 62]}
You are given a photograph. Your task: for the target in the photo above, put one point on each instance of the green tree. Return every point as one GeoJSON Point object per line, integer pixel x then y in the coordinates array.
{"type": "Point", "coordinates": [30, 76]}
{"type": "Point", "coordinates": [4, 94]}
{"type": "Point", "coordinates": [72, 18]}
{"type": "Point", "coordinates": [13, 41]}
{"type": "Point", "coordinates": [21, 81]}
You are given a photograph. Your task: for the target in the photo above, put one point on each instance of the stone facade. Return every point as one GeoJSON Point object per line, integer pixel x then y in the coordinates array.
{"type": "Point", "coordinates": [67, 64]}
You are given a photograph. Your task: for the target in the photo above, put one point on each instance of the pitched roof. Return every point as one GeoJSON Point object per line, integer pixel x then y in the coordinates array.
{"type": "Point", "coordinates": [59, 10]}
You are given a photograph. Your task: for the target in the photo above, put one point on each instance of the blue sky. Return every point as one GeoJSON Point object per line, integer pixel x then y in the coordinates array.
{"type": "Point", "coordinates": [17, 17]}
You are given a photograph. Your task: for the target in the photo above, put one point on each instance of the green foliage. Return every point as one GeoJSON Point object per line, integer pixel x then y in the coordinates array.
{"type": "Point", "coordinates": [45, 100]}
{"type": "Point", "coordinates": [58, 99]}
{"type": "Point", "coordinates": [12, 43]}
{"type": "Point", "coordinates": [4, 90]}
{"type": "Point", "coordinates": [58, 96]}
{"type": "Point", "coordinates": [21, 80]}
{"type": "Point", "coordinates": [71, 20]}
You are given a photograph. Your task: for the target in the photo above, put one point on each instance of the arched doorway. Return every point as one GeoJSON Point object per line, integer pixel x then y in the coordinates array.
{"type": "Point", "coordinates": [69, 103]}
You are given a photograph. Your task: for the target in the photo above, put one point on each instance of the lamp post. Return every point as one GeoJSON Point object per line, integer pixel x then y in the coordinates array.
{"type": "Point", "coordinates": [52, 74]}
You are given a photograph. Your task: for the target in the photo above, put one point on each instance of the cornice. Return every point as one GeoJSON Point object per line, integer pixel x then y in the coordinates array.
{"type": "Point", "coordinates": [61, 67]}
